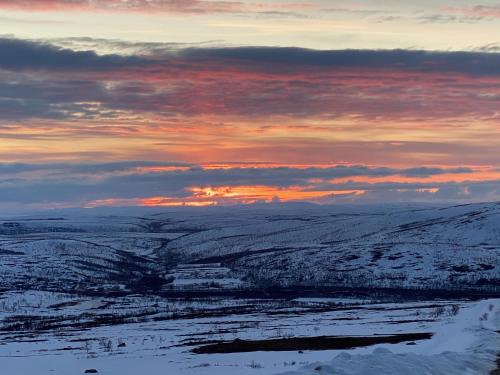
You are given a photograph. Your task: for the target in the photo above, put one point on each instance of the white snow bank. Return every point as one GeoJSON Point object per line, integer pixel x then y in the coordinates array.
{"type": "Point", "coordinates": [467, 345]}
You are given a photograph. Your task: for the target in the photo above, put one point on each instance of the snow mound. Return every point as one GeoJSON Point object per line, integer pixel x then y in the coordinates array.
{"type": "Point", "coordinates": [468, 345]}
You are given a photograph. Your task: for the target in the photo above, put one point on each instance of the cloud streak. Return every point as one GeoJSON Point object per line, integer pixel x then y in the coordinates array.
{"type": "Point", "coordinates": [171, 6]}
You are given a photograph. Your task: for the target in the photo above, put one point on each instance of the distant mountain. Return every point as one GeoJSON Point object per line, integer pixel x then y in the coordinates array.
{"type": "Point", "coordinates": [452, 248]}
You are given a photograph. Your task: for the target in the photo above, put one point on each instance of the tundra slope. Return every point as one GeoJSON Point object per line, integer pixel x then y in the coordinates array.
{"type": "Point", "coordinates": [451, 248]}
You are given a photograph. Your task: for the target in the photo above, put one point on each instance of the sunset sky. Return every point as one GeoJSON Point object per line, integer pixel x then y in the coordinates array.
{"type": "Point", "coordinates": [192, 102]}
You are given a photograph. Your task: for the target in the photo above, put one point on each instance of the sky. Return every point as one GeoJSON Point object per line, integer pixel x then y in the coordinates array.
{"type": "Point", "coordinates": [201, 102]}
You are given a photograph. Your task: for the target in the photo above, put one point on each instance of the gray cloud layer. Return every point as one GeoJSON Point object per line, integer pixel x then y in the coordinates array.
{"type": "Point", "coordinates": [69, 183]}
{"type": "Point", "coordinates": [44, 81]}
{"type": "Point", "coordinates": [17, 54]}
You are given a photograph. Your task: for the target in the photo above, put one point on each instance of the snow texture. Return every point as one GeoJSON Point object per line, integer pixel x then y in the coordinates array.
{"type": "Point", "coordinates": [468, 346]}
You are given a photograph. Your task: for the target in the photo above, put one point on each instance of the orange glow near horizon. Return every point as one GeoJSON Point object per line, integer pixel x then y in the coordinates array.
{"type": "Point", "coordinates": [213, 196]}
{"type": "Point", "coordinates": [169, 202]}
{"type": "Point", "coordinates": [150, 202]}
{"type": "Point", "coordinates": [202, 196]}
{"type": "Point", "coordinates": [253, 194]}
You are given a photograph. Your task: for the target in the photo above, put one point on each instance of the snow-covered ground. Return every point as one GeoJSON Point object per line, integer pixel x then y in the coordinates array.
{"type": "Point", "coordinates": [158, 335]}
{"type": "Point", "coordinates": [468, 344]}
{"type": "Point", "coordinates": [129, 291]}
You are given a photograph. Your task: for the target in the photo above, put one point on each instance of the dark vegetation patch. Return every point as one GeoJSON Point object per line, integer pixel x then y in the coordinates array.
{"type": "Point", "coordinates": [463, 268]}
{"type": "Point", "coordinates": [150, 282]}
{"type": "Point", "coordinates": [419, 225]}
{"type": "Point", "coordinates": [403, 321]}
{"type": "Point", "coordinates": [487, 267]}
{"type": "Point", "coordinates": [32, 323]}
{"type": "Point", "coordinates": [10, 252]}
{"type": "Point", "coordinates": [394, 257]}
{"type": "Point", "coordinates": [376, 255]}
{"type": "Point", "coordinates": [64, 304]}
{"type": "Point", "coordinates": [349, 258]}
{"type": "Point", "coordinates": [232, 257]}
{"type": "Point", "coordinates": [306, 343]}
{"type": "Point", "coordinates": [488, 282]}
{"type": "Point", "coordinates": [497, 370]}
{"type": "Point", "coordinates": [298, 291]}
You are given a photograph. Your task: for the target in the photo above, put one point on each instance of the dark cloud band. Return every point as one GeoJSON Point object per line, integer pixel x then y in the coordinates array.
{"type": "Point", "coordinates": [23, 54]}
{"type": "Point", "coordinates": [69, 183]}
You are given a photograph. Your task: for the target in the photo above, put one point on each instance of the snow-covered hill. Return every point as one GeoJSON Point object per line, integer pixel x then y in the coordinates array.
{"type": "Point", "coordinates": [270, 245]}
